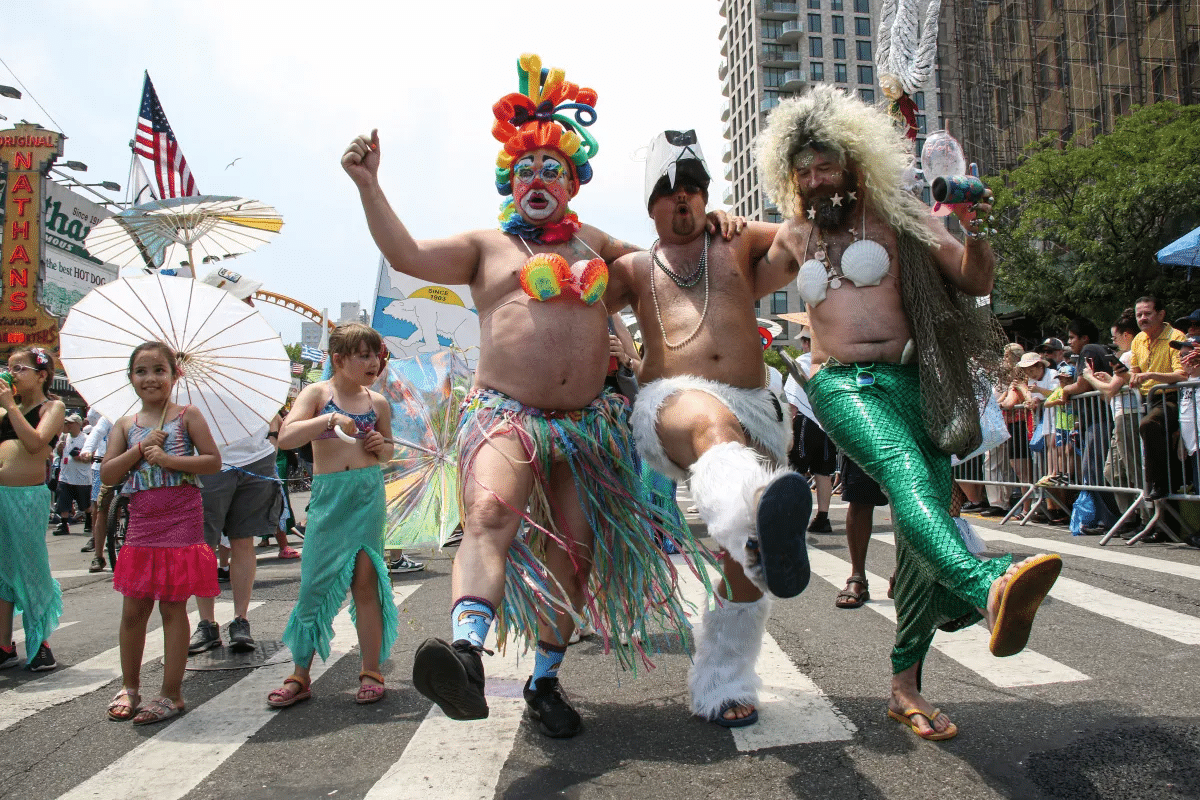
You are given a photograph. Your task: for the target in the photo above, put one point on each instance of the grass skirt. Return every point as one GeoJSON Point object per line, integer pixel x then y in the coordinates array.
{"type": "Point", "coordinates": [346, 514]}
{"type": "Point", "coordinates": [25, 579]}
{"type": "Point", "coordinates": [633, 584]}
{"type": "Point", "coordinates": [164, 556]}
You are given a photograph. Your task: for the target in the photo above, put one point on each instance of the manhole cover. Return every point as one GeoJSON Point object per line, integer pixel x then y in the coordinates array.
{"type": "Point", "coordinates": [264, 654]}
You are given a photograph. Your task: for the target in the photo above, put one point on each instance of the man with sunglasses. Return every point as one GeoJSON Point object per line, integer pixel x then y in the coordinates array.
{"type": "Point", "coordinates": [704, 414]}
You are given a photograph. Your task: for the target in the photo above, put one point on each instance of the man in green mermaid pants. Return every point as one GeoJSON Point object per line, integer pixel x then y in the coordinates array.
{"type": "Point", "coordinates": [902, 343]}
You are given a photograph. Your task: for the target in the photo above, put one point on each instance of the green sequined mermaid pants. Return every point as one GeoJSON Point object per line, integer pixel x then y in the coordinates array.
{"type": "Point", "coordinates": [874, 413]}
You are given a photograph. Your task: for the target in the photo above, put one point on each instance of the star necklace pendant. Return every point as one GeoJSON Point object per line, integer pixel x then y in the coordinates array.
{"type": "Point", "coordinates": [812, 213]}
{"type": "Point", "coordinates": [836, 199]}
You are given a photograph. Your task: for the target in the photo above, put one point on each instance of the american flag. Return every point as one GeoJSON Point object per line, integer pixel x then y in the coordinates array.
{"type": "Point", "coordinates": [156, 141]}
{"type": "Point", "coordinates": [313, 354]}
{"type": "Point", "coordinates": [297, 369]}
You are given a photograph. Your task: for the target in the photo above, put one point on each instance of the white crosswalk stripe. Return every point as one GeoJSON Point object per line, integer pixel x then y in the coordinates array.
{"type": "Point", "coordinates": [1134, 613]}
{"type": "Point", "coordinates": [19, 634]}
{"type": "Point", "coordinates": [465, 757]}
{"type": "Point", "coordinates": [969, 647]}
{"type": "Point", "coordinates": [206, 736]}
{"type": "Point", "coordinates": [1109, 554]}
{"type": "Point", "coordinates": [68, 683]}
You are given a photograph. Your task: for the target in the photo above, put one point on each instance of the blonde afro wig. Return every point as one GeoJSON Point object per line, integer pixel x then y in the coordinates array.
{"type": "Point", "coordinates": [858, 135]}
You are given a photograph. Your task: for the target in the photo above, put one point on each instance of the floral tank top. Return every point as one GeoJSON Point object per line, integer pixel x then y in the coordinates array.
{"type": "Point", "coordinates": [151, 476]}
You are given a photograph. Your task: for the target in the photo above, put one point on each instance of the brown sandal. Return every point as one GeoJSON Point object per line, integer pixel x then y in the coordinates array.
{"type": "Point", "coordinates": [369, 692]}
{"type": "Point", "coordinates": [284, 697]}
{"type": "Point", "coordinates": [848, 598]}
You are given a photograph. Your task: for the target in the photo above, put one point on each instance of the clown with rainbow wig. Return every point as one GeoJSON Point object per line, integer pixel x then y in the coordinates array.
{"type": "Point", "coordinates": [544, 450]}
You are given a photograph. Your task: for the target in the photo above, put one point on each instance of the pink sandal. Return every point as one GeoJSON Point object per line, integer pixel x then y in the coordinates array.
{"type": "Point", "coordinates": [288, 552]}
{"type": "Point", "coordinates": [285, 696]}
{"type": "Point", "coordinates": [369, 692]}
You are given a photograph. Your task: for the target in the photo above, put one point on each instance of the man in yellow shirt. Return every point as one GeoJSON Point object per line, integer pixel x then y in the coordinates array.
{"type": "Point", "coordinates": [1156, 362]}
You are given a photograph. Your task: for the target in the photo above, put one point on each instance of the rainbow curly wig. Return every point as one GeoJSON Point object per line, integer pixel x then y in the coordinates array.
{"type": "Point", "coordinates": [532, 118]}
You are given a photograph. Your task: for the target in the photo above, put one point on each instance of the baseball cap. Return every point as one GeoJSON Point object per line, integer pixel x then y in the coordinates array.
{"type": "Point", "coordinates": [1050, 345]}
{"type": "Point", "coordinates": [1029, 359]}
{"type": "Point", "coordinates": [1183, 323]}
{"type": "Point", "coordinates": [73, 418]}
{"type": "Point", "coordinates": [1187, 341]}
{"type": "Point", "coordinates": [1066, 370]}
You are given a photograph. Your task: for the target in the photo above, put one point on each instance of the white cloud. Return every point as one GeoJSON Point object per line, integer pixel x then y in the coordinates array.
{"type": "Point", "coordinates": [285, 86]}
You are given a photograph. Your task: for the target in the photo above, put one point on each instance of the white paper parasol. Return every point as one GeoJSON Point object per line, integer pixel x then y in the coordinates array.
{"type": "Point", "coordinates": [235, 370]}
{"type": "Point", "coordinates": [209, 227]}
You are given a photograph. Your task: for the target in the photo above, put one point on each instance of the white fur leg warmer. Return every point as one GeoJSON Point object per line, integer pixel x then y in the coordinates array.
{"type": "Point", "coordinates": [723, 670]}
{"type": "Point", "coordinates": [725, 484]}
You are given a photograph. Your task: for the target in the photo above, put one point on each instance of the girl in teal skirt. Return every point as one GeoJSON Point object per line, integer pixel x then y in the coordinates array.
{"type": "Point", "coordinates": [350, 428]}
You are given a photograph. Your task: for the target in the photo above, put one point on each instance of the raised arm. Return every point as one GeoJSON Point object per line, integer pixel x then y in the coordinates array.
{"type": "Point", "coordinates": [450, 261]}
{"type": "Point", "coordinates": [773, 264]}
{"type": "Point", "coordinates": [971, 268]}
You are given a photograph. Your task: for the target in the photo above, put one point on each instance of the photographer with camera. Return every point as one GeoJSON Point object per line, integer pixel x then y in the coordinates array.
{"type": "Point", "coordinates": [74, 476]}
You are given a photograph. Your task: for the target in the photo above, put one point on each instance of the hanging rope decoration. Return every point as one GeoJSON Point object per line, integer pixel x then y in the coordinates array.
{"type": "Point", "coordinates": [905, 56]}
{"type": "Point", "coordinates": [536, 117]}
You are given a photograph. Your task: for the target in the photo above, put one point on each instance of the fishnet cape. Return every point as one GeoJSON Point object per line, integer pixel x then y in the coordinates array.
{"type": "Point", "coordinates": [959, 344]}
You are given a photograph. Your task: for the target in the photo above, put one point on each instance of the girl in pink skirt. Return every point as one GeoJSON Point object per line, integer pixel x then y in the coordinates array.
{"type": "Point", "coordinates": [158, 452]}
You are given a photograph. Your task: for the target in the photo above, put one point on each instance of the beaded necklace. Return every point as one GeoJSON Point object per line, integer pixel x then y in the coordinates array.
{"type": "Point", "coordinates": [700, 268]}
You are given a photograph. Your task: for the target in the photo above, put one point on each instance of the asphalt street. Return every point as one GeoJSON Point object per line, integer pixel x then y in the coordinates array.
{"type": "Point", "coordinates": [1103, 704]}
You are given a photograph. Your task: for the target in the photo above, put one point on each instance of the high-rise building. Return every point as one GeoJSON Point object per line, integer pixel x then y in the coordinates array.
{"type": "Point", "coordinates": [771, 50]}
{"type": "Point", "coordinates": [1028, 68]}
{"type": "Point", "coordinates": [351, 312]}
{"type": "Point", "coordinates": [310, 334]}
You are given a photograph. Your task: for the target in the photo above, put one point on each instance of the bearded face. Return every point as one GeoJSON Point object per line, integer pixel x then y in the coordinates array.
{"type": "Point", "coordinates": [828, 188]}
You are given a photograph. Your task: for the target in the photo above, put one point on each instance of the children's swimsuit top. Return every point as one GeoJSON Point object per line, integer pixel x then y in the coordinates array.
{"type": "Point", "coordinates": [545, 275]}
{"type": "Point", "coordinates": [864, 263]}
{"type": "Point", "coordinates": [364, 422]}
{"type": "Point", "coordinates": [8, 432]}
{"type": "Point", "coordinates": [152, 476]}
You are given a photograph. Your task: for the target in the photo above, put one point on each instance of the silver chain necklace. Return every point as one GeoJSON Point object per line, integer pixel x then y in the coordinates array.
{"type": "Point", "coordinates": [681, 281]}
{"type": "Point", "coordinates": [701, 268]}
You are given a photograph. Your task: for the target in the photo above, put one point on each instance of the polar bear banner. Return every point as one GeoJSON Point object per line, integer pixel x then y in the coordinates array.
{"type": "Point", "coordinates": [415, 317]}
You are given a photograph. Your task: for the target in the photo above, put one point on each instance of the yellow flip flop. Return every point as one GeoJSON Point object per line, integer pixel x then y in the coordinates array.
{"type": "Point", "coordinates": [1019, 604]}
{"type": "Point", "coordinates": [933, 736]}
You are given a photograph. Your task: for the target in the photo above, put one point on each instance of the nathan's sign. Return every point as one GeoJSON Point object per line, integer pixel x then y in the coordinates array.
{"type": "Point", "coordinates": [26, 154]}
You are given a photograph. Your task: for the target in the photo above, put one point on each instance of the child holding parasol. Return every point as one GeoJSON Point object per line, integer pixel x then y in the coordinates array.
{"type": "Point", "coordinates": [158, 452]}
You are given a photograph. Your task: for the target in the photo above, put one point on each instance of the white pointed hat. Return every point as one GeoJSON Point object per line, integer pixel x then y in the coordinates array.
{"type": "Point", "coordinates": [668, 152]}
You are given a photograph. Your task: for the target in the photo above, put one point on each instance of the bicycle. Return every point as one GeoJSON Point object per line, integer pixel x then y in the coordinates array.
{"type": "Point", "coordinates": [117, 525]}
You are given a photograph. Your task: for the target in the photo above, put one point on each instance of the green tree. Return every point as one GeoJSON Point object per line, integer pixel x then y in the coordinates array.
{"type": "Point", "coordinates": [1079, 226]}
{"type": "Point", "coordinates": [773, 360]}
{"type": "Point", "coordinates": [293, 351]}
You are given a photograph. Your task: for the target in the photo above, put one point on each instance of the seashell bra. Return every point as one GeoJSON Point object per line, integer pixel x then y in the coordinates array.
{"type": "Point", "coordinates": [545, 275]}
{"type": "Point", "coordinates": [864, 263]}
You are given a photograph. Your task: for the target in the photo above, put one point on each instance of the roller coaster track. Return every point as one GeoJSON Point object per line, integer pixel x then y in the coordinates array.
{"type": "Point", "coordinates": [306, 311]}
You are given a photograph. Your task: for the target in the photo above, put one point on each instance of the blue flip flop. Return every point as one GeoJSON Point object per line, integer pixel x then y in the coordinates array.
{"type": "Point", "coordinates": [783, 512]}
{"type": "Point", "coordinates": [749, 719]}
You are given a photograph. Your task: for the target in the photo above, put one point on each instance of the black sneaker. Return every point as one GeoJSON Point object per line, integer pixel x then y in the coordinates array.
{"type": "Point", "coordinates": [43, 661]}
{"type": "Point", "coordinates": [451, 675]}
{"type": "Point", "coordinates": [97, 564]}
{"type": "Point", "coordinates": [62, 530]}
{"type": "Point", "coordinates": [90, 547]}
{"type": "Point", "coordinates": [8, 656]}
{"type": "Point", "coordinates": [222, 574]}
{"type": "Point", "coordinates": [238, 631]}
{"type": "Point", "coordinates": [820, 523]}
{"type": "Point", "coordinates": [206, 637]}
{"type": "Point", "coordinates": [782, 518]}
{"type": "Point", "coordinates": [553, 713]}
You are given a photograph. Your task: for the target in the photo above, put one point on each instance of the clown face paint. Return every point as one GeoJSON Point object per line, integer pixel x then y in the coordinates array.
{"type": "Point", "coordinates": [541, 186]}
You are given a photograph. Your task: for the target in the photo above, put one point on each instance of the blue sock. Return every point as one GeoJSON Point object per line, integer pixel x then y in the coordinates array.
{"type": "Point", "coordinates": [546, 661]}
{"type": "Point", "coordinates": [470, 619]}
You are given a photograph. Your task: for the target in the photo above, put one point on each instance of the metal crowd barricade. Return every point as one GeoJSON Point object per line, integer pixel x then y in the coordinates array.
{"type": "Point", "coordinates": [1179, 450]}
{"type": "Point", "coordinates": [1091, 443]}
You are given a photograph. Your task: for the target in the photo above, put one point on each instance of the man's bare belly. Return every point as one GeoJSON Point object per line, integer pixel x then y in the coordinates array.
{"type": "Point", "coordinates": [551, 355]}
{"type": "Point", "coordinates": [736, 365]}
{"type": "Point", "coordinates": [857, 324]}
